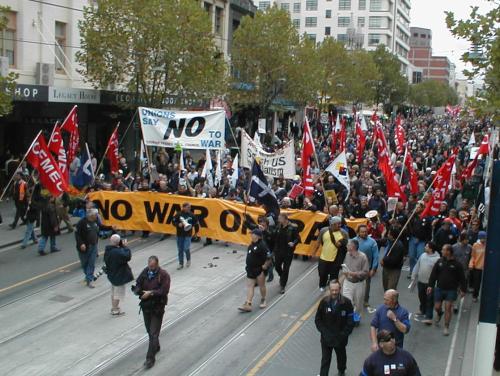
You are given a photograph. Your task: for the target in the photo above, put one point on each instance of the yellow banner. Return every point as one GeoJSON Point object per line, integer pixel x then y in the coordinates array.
{"type": "Point", "coordinates": [219, 219]}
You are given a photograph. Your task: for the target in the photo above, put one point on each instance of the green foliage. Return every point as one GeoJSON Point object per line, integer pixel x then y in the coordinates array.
{"type": "Point", "coordinates": [482, 31]}
{"type": "Point", "coordinates": [362, 71]}
{"type": "Point", "coordinates": [154, 48]}
{"type": "Point", "coordinates": [392, 86]}
{"type": "Point", "coordinates": [7, 83]}
{"type": "Point", "coordinates": [432, 93]}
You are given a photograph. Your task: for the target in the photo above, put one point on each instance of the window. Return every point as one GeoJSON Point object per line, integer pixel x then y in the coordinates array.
{"type": "Point", "coordinates": [361, 22]}
{"type": "Point", "coordinates": [312, 37]}
{"type": "Point", "coordinates": [375, 4]}
{"type": "Point", "coordinates": [285, 6]}
{"type": "Point", "coordinates": [219, 16]}
{"type": "Point", "coordinates": [342, 38]}
{"type": "Point", "coordinates": [7, 39]}
{"type": "Point", "coordinates": [60, 58]}
{"type": "Point", "coordinates": [296, 7]}
{"type": "Point", "coordinates": [208, 8]}
{"type": "Point", "coordinates": [422, 36]}
{"type": "Point", "coordinates": [344, 21]}
{"type": "Point", "coordinates": [311, 21]}
{"type": "Point", "coordinates": [416, 77]}
{"type": "Point", "coordinates": [296, 23]}
{"type": "Point", "coordinates": [362, 5]}
{"type": "Point", "coordinates": [328, 13]}
{"type": "Point", "coordinates": [328, 30]}
{"type": "Point", "coordinates": [415, 35]}
{"type": "Point", "coordinates": [373, 39]}
{"type": "Point", "coordinates": [311, 4]}
{"type": "Point", "coordinates": [263, 5]}
{"type": "Point", "coordinates": [375, 22]}
{"type": "Point", "coordinates": [344, 4]}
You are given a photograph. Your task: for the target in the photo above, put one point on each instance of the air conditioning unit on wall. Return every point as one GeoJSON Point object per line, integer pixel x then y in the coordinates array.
{"type": "Point", "coordinates": [4, 66]}
{"type": "Point", "coordinates": [45, 74]}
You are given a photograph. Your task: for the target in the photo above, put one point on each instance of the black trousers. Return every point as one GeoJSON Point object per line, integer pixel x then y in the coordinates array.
{"type": "Point", "coordinates": [326, 358]}
{"type": "Point", "coordinates": [476, 275]}
{"type": "Point", "coordinates": [20, 212]}
{"type": "Point", "coordinates": [328, 271]}
{"type": "Point", "coordinates": [152, 321]}
{"type": "Point", "coordinates": [282, 266]}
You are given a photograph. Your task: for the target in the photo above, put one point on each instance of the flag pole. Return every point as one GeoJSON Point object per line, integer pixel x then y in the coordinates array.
{"type": "Point", "coordinates": [317, 163]}
{"type": "Point", "coordinates": [20, 163]}
{"type": "Point", "coordinates": [106, 151]}
{"type": "Point", "coordinates": [403, 167]}
{"type": "Point", "coordinates": [52, 134]}
{"type": "Point", "coordinates": [67, 116]}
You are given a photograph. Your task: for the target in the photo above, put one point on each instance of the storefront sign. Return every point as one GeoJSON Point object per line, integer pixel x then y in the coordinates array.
{"type": "Point", "coordinates": [117, 98]}
{"type": "Point", "coordinates": [31, 93]}
{"type": "Point", "coordinates": [71, 95]}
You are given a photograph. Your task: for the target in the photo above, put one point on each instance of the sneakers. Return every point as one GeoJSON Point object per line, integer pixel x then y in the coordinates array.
{"type": "Point", "coordinates": [90, 285]}
{"type": "Point", "coordinates": [263, 303]}
{"type": "Point", "coordinates": [180, 267]}
{"type": "Point", "coordinates": [446, 332]}
{"type": "Point", "coordinates": [188, 264]}
{"type": "Point", "coordinates": [427, 321]}
{"type": "Point", "coordinates": [116, 313]}
{"type": "Point", "coordinates": [247, 307]}
{"type": "Point", "coordinates": [55, 250]}
{"type": "Point", "coordinates": [437, 319]}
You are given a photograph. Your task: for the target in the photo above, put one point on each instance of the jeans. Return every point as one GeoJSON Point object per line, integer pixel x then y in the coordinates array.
{"type": "Point", "coordinates": [326, 358]}
{"type": "Point", "coordinates": [29, 233]}
{"type": "Point", "coordinates": [87, 261]}
{"type": "Point", "coordinates": [426, 300]}
{"type": "Point", "coordinates": [183, 245]}
{"type": "Point", "coordinates": [152, 321]}
{"type": "Point", "coordinates": [282, 267]}
{"type": "Point", "coordinates": [416, 248]}
{"type": "Point", "coordinates": [43, 242]}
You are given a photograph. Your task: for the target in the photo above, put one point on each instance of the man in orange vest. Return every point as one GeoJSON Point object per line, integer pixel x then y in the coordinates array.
{"type": "Point", "coordinates": [20, 198]}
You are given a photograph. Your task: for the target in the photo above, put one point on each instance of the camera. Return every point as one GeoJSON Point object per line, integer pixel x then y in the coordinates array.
{"type": "Point", "coordinates": [100, 272]}
{"type": "Point", "coordinates": [136, 290]}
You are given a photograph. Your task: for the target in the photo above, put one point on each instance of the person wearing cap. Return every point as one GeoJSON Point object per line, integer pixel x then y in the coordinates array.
{"type": "Point", "coordinates": [476, 263]}
{"type": "Point", "coordinates": [257, 262]}
{"type": "Point", "coordinates": [334, 321]}
{"type": "Point", "coordinates": [333, 243]}
{"type": "Point", "coordinates": [446, 277]}
{"type": "Point", "coordinates": [116, 258]}
{"type": "Point", "coordinates": [87, 236]}
{"type": "Point", "coordinates": [389, 359]}
{"type": "Point", "coordinates": [446, 234]}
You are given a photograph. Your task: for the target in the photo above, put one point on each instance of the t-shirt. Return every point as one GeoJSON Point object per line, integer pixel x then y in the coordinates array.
{"type": "Point", "coordinates": [380, 321]}
{"type": "Point", "coordinates": [401, 363]}
{"type": "Point", "coordinates": [329, 250]}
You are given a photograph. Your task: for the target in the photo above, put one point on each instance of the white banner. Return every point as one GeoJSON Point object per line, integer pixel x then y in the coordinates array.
{"type": "Point", "coordinates": [189, 129]}
{"type": "Point", "coordinates": [280, 162]}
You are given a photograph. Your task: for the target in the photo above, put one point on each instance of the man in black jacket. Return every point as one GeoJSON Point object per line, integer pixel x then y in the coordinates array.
{"type": "Point", "coordinates": [392, 260]}
{"type": "Point", "coordinates": [420, 232]}
{"type": "Point", "coordinates": [449, 275]}
{"type": "Point", "coordinates": [185, 222]}
{"type": "Point", "coordinates": [116, 258]}
{"type": "Point", "coordinates": [334, 320]}
{"type": "Point", "coordinates": [87, 235]}
{"type": "Point", "coordinates": [287, 238]}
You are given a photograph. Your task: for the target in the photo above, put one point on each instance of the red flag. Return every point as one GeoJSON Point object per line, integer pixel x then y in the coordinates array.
{"type": "Point", "coordinates": [361, 141]}
{"type": "Point", "coordinates": [295, 191]}
{"type": "Point", "coordinates": [484, 149]}
{"type": "Point", "coordinates": [50, 175]}
{"type": "Point", "coordinates": [441, 186]}
{"type": "Point", "coordinates": [56, 146]}
{"type": "Point", "coordinates": [307, 154]}
{"type": "Point", "coordinates": [112, 151]}
{"type": "Point", "coordinates": [70, 124]}
{"type": "Point", "coordinates": [400, 136]}
{"type": "Point", "coordinates": [384, 165]}
{"type": "Point", "coordinates": [412, 172]}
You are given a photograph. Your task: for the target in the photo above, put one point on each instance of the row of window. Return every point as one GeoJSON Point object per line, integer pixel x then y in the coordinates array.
{"type": "Point", "coordinates": [312, 5]}
{"type": "Point", "coordinates": [219, 16]}
{"type": "Point", "coordinates": [373, 22]}
{"type": "Point", "coordinates": [373, 39]}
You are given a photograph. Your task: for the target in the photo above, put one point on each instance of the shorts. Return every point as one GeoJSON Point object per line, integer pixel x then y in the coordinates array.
{"type": "Point", "coordinates": [253, 273]}
{"type": "Point", "coordinates": [446, 295]}
{"type": "Point", "coordinates": [118, 292]}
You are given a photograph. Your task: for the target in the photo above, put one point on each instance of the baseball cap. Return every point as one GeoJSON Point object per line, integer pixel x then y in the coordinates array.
{"type": "Point", "coordinates": [481, 235]}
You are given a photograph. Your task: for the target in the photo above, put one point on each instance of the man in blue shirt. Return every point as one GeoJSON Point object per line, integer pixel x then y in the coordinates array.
{"type": "Point", "coordinates": [369, 247]}
{"type": "Point", "coordinates": [392, 317]}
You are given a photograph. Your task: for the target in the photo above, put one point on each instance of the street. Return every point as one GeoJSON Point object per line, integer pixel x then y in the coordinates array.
{"type": "Point", "coordinates": [66, 328]}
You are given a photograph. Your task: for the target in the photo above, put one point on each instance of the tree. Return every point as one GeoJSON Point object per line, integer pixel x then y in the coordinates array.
{"type": "Point", "coordinates": [154, 48]}
{"type": "Point", "coordinates": [362, 71]}
{"type": "Point", "coordinates": [481, 30]}
{"type": "Point", "coordinates": [392, 86]}
{"type": "Point", "coordinates": [8, 82]}
{"type": "Point", "coordinates": [269, 61]}
{"type": "Point", "coordinates": [432, 93]}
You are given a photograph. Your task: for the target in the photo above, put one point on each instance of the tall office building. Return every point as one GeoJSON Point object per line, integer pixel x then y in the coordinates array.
{"type": "Point", "coordinates": [358, 23]}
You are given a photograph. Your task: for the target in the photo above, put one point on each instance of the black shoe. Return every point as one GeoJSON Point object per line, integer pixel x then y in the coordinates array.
{"type": "Point", "coordinates": [207, 243]}
{"type": "Point", "coordinates": [55, 250]}
{"type": "Point", "coordinates": [282, 291]}
{"type": "Point", "coordinates": [341, 373]}
{"type": "Point", "coordinates": [158, 349]}
{"type": "Point", "coordinates": [149, 363]}
{"type": "Point", "coordinates": [12, 226]}
{"type": "Point", "coordinates": [42, 253]}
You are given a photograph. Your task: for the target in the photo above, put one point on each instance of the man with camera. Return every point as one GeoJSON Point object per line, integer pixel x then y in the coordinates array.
{"type": "Point", "coordinates": [185, 221]}
{"type": "Point", "coordinates": [116, 258]}
{"type": "Point", "coordinates": [152, 287]}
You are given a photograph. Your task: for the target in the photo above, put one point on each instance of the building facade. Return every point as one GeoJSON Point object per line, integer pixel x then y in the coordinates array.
{"type": "Point", "coordinates": [358, 23]}
{"type": "Point", "coordinates": [426, 65]}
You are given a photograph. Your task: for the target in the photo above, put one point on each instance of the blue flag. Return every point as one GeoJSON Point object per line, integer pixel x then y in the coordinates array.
{"type": "Point", "coordinates": [85, 173]}
{"type": "Point", "coordinates": [261, 191]}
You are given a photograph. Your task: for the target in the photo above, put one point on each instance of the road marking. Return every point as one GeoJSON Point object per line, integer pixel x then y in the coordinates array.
{"type": "Point", "coordinates": [263, 361]}
{"type": "Point", "coordinates": [454, 339]}
{"type": "Point", "coordinates": [57, 270]}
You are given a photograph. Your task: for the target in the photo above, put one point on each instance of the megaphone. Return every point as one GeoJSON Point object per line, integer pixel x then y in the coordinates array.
{"type": "Point", "coordinates": [187, 226]}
